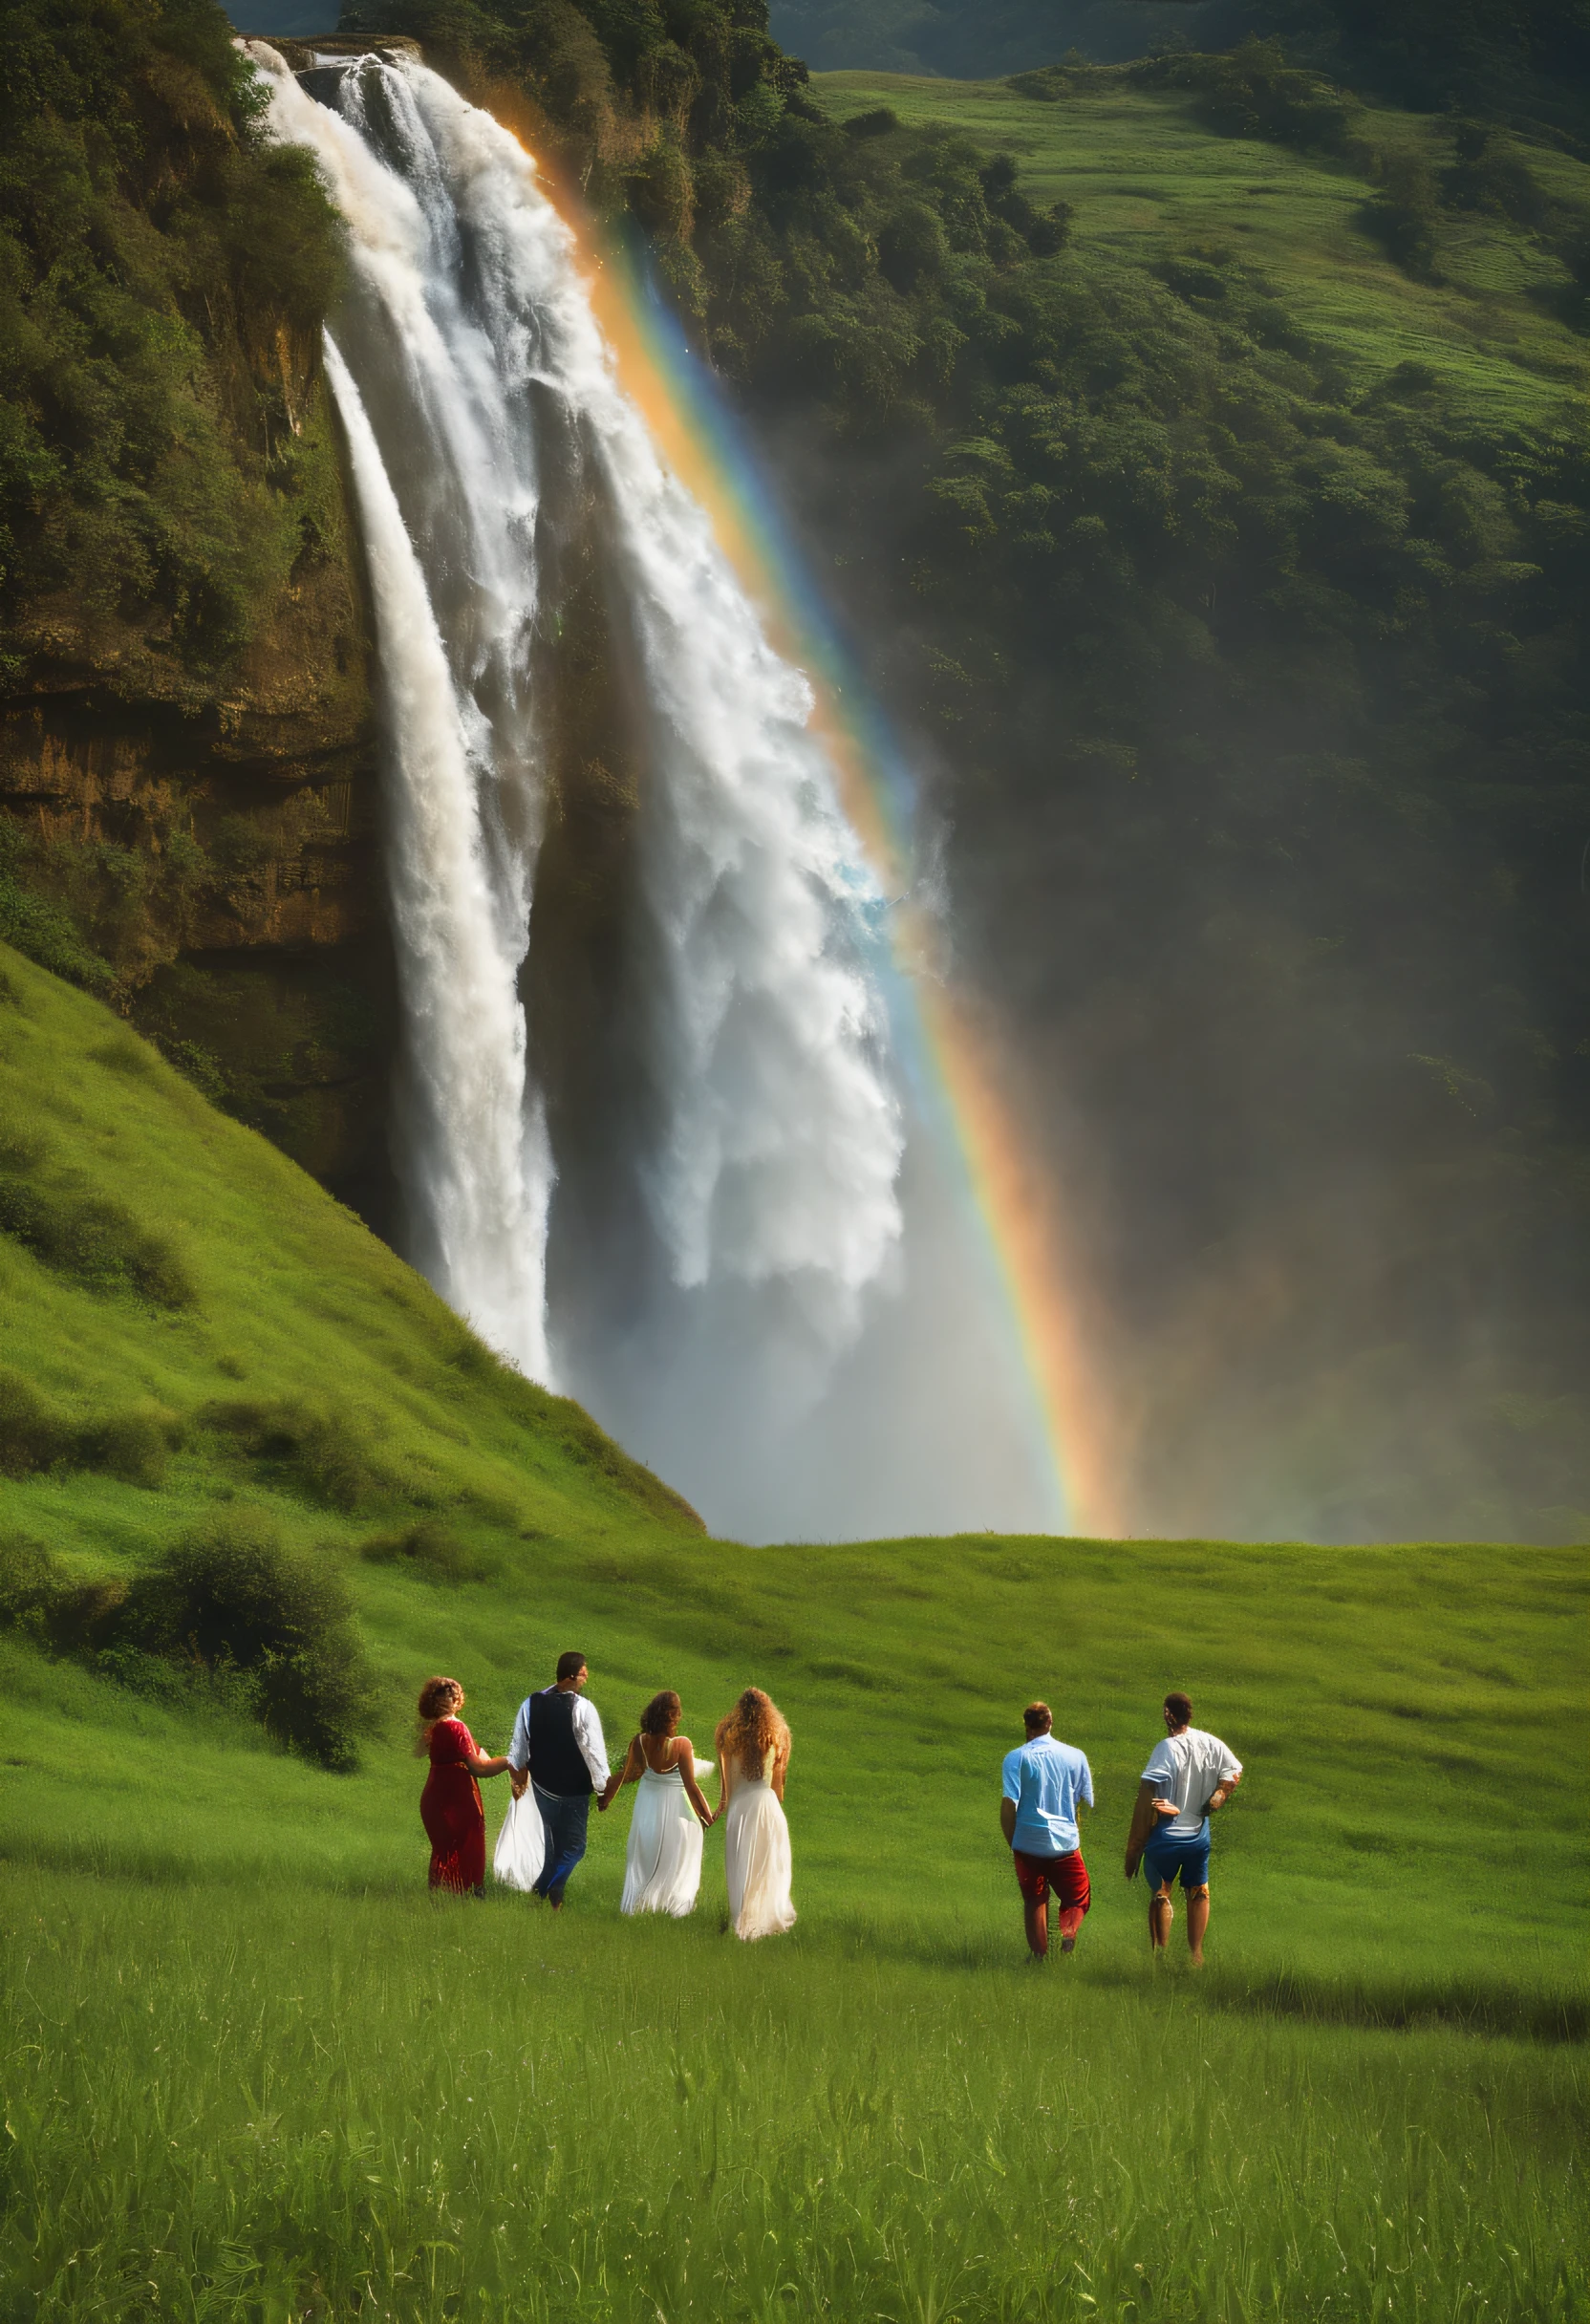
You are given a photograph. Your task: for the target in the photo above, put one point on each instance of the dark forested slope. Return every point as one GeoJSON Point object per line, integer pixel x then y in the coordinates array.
{"type": "Point", "coordinates": [1517, 59]}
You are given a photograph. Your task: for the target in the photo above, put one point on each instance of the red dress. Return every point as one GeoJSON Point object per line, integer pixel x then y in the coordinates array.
{"type": "Point", "coordinates": [451, 1812]}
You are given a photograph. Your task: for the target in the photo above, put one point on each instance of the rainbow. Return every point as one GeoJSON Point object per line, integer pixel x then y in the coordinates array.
{"type": "Point", "coordinates": [947, 1056]}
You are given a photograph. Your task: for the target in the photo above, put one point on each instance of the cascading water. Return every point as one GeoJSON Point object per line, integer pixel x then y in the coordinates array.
{"type": "Point", "coordinates": [704, 1208]}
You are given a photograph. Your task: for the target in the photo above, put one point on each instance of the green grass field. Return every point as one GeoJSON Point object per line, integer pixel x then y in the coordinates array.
{"type": "Point", "coordinates": [1147, 179]}
{"type": "Point", "coordinates": [251, 2073]}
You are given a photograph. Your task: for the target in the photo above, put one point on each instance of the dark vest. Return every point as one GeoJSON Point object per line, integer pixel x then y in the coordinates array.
{"type": "Point", "coordinates": [557, 1762]}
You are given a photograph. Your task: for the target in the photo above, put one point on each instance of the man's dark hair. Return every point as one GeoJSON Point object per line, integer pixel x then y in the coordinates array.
{"type": "Point", "coordinates": [570, 1666]}
{"type": "Point", "coordinates": [1038, 1718]}
{"type": "Point", "coordinates": [1180, 1708]}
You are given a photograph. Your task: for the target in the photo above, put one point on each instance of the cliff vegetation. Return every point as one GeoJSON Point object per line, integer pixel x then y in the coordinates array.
{"type": "Point", "coordinates": [184, 749]}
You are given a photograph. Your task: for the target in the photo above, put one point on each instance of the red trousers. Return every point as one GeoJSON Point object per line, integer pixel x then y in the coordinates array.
{"type": "Point", "coordinates": [1065, 1877]}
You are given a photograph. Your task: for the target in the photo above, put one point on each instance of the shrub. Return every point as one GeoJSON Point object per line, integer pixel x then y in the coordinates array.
{"type": "Point", "coordinates": [1252, 91]}
{"type": "Point", "coordinates": [134, 1445]}
{"type": "Point", "coordinates": [881, 122]}
{"type": "Point", "coordinates": [231, 1597]}
{"type": "Point", "coordinates": [326, 1451]}
{"type": "Point", "coordinates": [30, 1583]}
{"type": "Point", "coordinates": [430, 1544]}
{"type": "Point", "coordinates": [32, 1436]}
{"type": "Point", "coordinates": [91, 1238]}
{"type": "Point", "coordinates": [1405, 214]}
{"type": "Point", "coordinates": [42, 931]}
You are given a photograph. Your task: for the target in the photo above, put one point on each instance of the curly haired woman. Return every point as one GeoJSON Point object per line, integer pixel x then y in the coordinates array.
{"type": "Point", "coordinates": [753, 1760]}
{"type": "Point", "coordinates": [450, 1804]}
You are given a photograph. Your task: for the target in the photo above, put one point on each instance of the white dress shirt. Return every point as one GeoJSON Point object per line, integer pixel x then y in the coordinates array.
{"type": "Point", "coordinates": [588, 1734]}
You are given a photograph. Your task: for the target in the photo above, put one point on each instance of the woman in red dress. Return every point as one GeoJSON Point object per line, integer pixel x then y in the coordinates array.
{"type": "Point", "coordinates": [450, 1805]}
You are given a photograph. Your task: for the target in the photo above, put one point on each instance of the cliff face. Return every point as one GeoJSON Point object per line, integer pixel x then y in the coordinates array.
{"type": "Point", "coordinates": [216, 846]}
{"type": "Point", "coordinates": [188, 769]}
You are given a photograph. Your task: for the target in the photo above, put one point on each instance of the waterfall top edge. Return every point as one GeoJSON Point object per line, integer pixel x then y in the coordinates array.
{"type": "Point", "coordinates": [300, 54]}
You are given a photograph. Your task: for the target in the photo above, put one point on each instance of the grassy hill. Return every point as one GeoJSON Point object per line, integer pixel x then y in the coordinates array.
{"type": "Point", "coordinates": [193, 1327]}
{"type": "Point", "coordinates": [251, 2071]}
{"type": "Point", "coordinates": [1147, 181]}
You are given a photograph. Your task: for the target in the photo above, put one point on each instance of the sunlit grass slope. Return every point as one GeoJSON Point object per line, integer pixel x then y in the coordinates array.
{"type": "Point", "coordinates": [1147, 178]}
{"type": "Point", "coordinates": [257, 1292]}
{"type": "Point", "coordinates": [1385, 1699]}
{"type": "Point", "coordinates": [249, 2071]}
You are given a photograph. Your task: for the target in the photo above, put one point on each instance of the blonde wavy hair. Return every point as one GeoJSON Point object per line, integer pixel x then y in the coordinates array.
{"type": "Point", "coordinates": [755, 1727]}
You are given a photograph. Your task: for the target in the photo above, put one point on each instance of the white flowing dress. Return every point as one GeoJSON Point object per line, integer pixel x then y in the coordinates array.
{"type": "Point", "coordinates": [756, 1856]}
{"type": "Point", "coordinates": [663, 1863]}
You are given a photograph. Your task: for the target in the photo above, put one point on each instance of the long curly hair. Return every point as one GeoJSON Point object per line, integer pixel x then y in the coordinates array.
{"type": "Point", "coordinates": [439, 1698]}
{"type": "Point", "coordinates": [755, 1727]}
{"type": "Point", "coordinates": [662, 1714]}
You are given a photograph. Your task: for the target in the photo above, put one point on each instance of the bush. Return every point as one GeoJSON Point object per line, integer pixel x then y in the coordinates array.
{"type": "Point", "coordinates": [90, 1238]}
{"type": "Point", "coordinates": [231, 1597]}
{"type": "Point", "coordinates": [30, 1584]}
{"type": "Point", "coordinates": [1405, 213]}
{"type": "Point", "coordinates": [326, 1451]}
{"type": "Point", "coordinates": [229, 1618]}
{"type": "Point", "coordinates": [433, 1545]}
{"type": "Point", "coordinates": [43, 933]}
{"type": "Point", "coordinates": [32, 1436]}
{"type": "Point", "coordinates": [134, 1445]}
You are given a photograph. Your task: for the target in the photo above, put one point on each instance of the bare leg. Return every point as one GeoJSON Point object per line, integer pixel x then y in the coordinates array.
{"type": "Point", "coordinates": [1161, 1913]}
{"type": "Point", "coordinates": [1198, 1921]}
{"type": "Point", "coordinates": [1037, 1918]}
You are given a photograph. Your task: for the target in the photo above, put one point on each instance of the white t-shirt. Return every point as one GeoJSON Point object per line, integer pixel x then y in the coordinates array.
{"type": "Point", "coordinates": [1189, 1768]}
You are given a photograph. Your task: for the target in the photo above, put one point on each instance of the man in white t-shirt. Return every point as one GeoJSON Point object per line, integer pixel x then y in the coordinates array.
{"type": "Point", "coordinates": [1190, 1775]}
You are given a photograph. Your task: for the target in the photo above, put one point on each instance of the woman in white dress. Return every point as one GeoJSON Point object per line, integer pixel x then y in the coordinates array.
{"type": "Point", "coordinates": [662, 1863]}
{"type": "Point", "coordinates": [753, 1760]}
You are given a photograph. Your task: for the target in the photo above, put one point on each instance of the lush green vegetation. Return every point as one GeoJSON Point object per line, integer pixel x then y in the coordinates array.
{"type": "Point", "coordinates": [248, 2065]}
{"type": "Point", "coordinates": [214, 1373]}
{"type": "Point", "coordinates": [1527, 60]}
{"type": "Point", "coordinates": [160, 270]}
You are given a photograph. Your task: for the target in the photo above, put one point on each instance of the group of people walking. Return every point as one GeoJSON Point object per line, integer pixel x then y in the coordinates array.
{"type": "Point", "coordinates": [1189, 1777]}
{"type": "Point", "coordinates": [557, 1762]}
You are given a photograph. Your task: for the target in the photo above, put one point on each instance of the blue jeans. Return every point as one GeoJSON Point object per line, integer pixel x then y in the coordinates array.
{"type": "Point", "coordinates": [565, 1820]}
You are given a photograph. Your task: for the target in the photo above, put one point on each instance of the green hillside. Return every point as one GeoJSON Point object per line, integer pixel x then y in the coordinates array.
{"type": "Point", "coordinates": [166, 1270]}
{"type": "Point", "coordinates": [1147, 181]}
{"type": "Point", "coordinates": [288, 1366]}
{"type": "Point", "coordinates": [305, 2090]}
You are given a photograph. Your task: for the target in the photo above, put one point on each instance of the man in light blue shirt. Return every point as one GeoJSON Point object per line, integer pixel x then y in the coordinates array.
{"type": "Point", "coordinates": [1046, 1782]}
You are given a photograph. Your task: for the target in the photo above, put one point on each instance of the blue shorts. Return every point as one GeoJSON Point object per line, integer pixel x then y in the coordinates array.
{"type": "Point", "coordinates": [1163, 1858]}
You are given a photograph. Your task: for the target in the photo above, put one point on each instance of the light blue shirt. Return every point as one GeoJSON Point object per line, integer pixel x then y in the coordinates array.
{"type": "Point", "coordinates": [1047, 1779]}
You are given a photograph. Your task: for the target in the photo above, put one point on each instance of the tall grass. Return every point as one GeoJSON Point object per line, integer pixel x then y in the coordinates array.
{"type": "Point", "coordinates": [292, 2105]}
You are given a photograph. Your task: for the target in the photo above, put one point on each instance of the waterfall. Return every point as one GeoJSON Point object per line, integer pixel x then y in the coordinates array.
{"type": "Point", "coordinates": [662, 1160]}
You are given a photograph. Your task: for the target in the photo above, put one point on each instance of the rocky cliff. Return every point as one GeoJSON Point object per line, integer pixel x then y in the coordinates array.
{"type": "Point", "coordinates": [187, 767]}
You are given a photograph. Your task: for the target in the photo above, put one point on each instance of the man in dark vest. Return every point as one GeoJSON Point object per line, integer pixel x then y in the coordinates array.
{"type": "Point", "coordinates": [557, 1745]}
